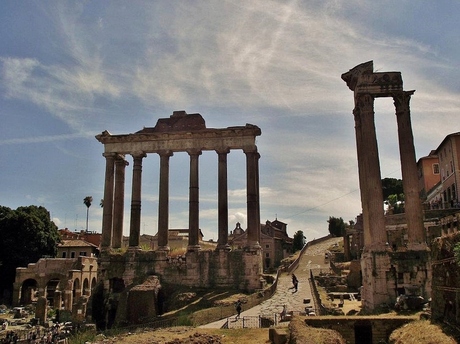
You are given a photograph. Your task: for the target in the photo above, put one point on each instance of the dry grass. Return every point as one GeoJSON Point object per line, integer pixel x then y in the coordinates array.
{"type": "Point", "coordinates": [301, 333]}
{"type": "Point", "coordinates": [199, 335]}
{"type": "Point", "coordinates": [421, 331]}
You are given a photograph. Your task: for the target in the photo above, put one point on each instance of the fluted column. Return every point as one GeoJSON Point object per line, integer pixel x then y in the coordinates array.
{"type": "Point", "coordinates": [163, 201]}
{"type": "Point", "coordinates": [222, 241]}
{"type": "Point", "coordinates": [106, 239]}
{"type": "Point", "coordinates": [412, 204]}
{"type": "Point", "coordinates": [194, 205]}
{"type": "Point", "coordinates": [373, 186]}
{"type": "Point", "coordinates": [119, 204]}
{"type": "Point", "coordinates": [135, 222]}
{"type": "Point", "coordinates": [251, 198]}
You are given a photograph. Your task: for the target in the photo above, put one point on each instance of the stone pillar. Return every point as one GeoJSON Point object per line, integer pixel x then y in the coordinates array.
{"type": "Point", "coordinates": [194, 209]}
{"type": "Point", "coordinates": [57, 300]}
{"type": "Point", "coordinates": [135, 223]}
{"type": "Point", "coordinates": [413, 206]}
{"type": "Point", "coordinates": [257, 157]}
{"type": "Point", "coordinates": [369, 159]}
{"type": "Point", "coordinates": [222, 241]}
{"type": "Point", "coordinates": [362, 175]}
{"type": "Point", "coordinates": [118, 204]}
{"type": "Point", "coordinates": [253, 223]}
{"type": "Point", "coordinates": [106, 240]}
{"type": "Point", "coordinates": [163, 201]}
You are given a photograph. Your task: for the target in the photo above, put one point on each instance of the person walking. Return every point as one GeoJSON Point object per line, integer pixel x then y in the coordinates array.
{"type": "Point", "coordinates": [295, 283]}
{"type": "Point", "coordinates": [238, 309]}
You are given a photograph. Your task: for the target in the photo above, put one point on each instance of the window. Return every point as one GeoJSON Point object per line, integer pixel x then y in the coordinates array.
{"type": "Point", "coordinates": [64, 254]}
{"type": "Point", "coordinates": [82, 253]}
{"type": "Point", "coordinates": [435, 168]}
{"type": "Point", "coordinates": [267, 255]}
{"type": "Point", "coordinates": [72, 254]}
{"type": "Point", "coordinates": [267, 246]}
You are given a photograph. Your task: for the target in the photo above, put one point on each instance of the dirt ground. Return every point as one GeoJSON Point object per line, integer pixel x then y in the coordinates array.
{"type": "Point", "coordinates": [189, 335]}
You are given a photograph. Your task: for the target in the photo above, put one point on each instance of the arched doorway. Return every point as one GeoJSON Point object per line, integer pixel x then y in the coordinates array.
{"type": "Point", "coordinates": [363, 332]}
{"type": "Point", "coordinates": [51, 287]}
{"type": "Point", "coordinates": [29, 291]}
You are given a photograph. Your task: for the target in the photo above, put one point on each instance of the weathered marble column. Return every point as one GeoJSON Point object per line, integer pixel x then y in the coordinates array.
{"type": "Point", "coordinates": [163, 201]}
{"type": "Point", "coordinates": [362, 174]}
{"type": "Point", "coordinates": [135, 222]}
{"type": "Point", "coordinates": [413, 206]}
{"type": "Point", "coordinates": [119, 204]}
{"type": "Point", "coordinates": [222, 241]}
{"type": "Point", "coordinates": [107, 214]}
{"type": "Point", "coordinates": [252, 197]}
{"type": "Point", "coordinates": [369, 160]}
{"type": "Point", "coordinates": [194, 203]}
{"type": "Point", "coordinates": [257, 158]}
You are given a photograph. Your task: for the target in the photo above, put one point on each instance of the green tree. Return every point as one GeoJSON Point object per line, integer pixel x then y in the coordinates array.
{"type": "Point", "coordinates": [299, 241]}
{"type": "Point", "coordinates": [27, 235]}
{"type": "Point", "coordinates": [87, 201]}
{"type": "Point", "coordinates": [336, 226]}
{"type": "Point", "coordinates": [391, 186]}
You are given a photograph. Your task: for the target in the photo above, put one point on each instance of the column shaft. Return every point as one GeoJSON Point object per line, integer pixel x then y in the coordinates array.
{"type": "Point", "coordinates": [412, 205]}
{"type": "Point", "coordinates": [163, 201]}
{"type": "Point", "coordinates": [135, 222]}
{"type": "Point", "coordinates": [194, 209]}
{"type": "Point", "coordinates": [373, 188]}
{"type": "Point", "coordinates": [251, 199]}
{"type": "Point", "coordinates": [106, 239]}
{"type": "Point", "coordinates": [118, 205]}
{"type": "Point", "coordinates": [222, 241]}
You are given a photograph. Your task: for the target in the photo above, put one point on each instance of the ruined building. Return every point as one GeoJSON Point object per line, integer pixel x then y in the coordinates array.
{"type": "Point", "coordinates": [387, 273]}
{"type": "Point", "coordinates": [124, 276]}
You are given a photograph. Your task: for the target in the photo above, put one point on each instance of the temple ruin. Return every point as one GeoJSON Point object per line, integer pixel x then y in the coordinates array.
{"type": "Point", "coordinates": [387, 273]}
{"type": "Point", "coordinates": [121, 272]}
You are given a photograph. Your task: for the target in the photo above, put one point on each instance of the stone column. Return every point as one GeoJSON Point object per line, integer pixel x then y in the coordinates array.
{"type": "Point", "coordinates": [253, 222]}
{"type": "Point", "coordinates": [163, 201]}
{"type": "Point", "coordinates": [118, 204]}
{"type": "Point", "coordinates": [194, 209]}
{"type": "Point", "coordinates": [106, 240]}
{"type": "Point", "coordinates": [257, 157]}
{"type": "Point", "coordinates": [373, 193]}
{"type": "Point", "coordinates": [362, 174]}
{"type": "Point", "coordinates": [222, 241]}
{"type": "Point", "coordinates": [413, 206]}
{"type": "Point", "coordinates": [135, 223]}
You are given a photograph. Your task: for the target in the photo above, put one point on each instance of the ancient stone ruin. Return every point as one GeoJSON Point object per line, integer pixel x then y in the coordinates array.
{"type": "Point", "coordinates": [122, 274]}
{"type": "Point", "coordinates": [387, 273]}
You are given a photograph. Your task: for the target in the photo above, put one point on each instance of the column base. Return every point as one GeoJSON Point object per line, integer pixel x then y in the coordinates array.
{"type": "Point", "coordinates": [166, 249]}
{"type": "Point", "coordinates": [223, 247]}
{"type": "Point", "coordinates": [193, 248]}
{"type": "Point", "coordinates": [134, 248]}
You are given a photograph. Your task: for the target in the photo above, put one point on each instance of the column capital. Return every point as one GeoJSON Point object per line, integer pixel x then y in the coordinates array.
{"type": "Point", "coordinates": [165, 152]}
{"type": "Point", "coordinates": [194, 151]}
{"type": "Point", "coordinates": [401, 101]}
{"type": "Point", "coordinates": [364, 102]}
{"type": "Point", "coordinates": [110, 155]}
{"type": "Point", "coordinates": [138, 155]}
{"type": "Point", "coordinates": [248, 150]}
{"type": "Point", "coordinates": [225, 150]}
{"type": "Point", "coordinates": [120, 160]}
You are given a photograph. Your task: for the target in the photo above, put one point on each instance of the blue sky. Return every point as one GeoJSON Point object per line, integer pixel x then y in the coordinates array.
{"type": "Point", "coordinates": [72, 69]}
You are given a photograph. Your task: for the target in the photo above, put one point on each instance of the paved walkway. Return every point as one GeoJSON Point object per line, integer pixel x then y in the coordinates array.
{"type": "Point", "coordinates": [313, 258]}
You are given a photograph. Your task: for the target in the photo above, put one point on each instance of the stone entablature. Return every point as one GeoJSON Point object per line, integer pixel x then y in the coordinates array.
{"type": "Point", "coordinates": [204, 140]}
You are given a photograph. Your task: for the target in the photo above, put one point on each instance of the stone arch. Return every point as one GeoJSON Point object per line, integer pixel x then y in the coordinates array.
{"type": "Point", "coordinates": [51, 286]}
{"type": "Point", "coordinates": [93, 283]}
{"type": "Point", "coordinates": [29, 291]}
{"type": "Point", "coordinates": [86, 289]}
{"type": "Point", "coordinates": [76, 288]}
